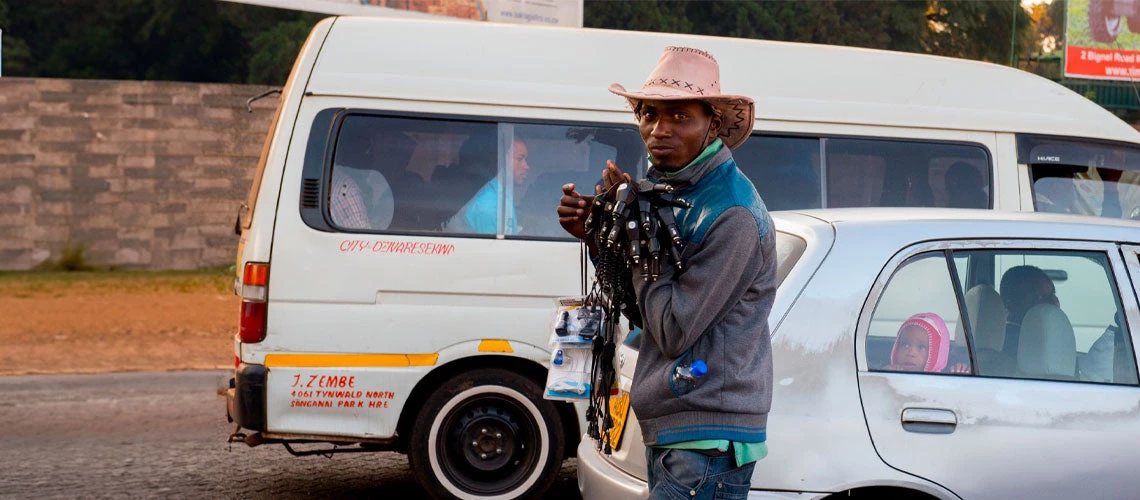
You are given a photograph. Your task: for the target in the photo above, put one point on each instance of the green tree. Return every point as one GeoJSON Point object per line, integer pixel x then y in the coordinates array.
{"type": "Point", "coordinates": [975, 29]}
{"type": "Point", "coordinates": [865, 23]}
{"type": "Point", "coordinates": [984, 30]}
{"type": "Point", "coordinates": [185, 40]}
{"type": "Point", "coordinates": [16, 55]}
{"type": "Point", "coordinates": [275, 49]}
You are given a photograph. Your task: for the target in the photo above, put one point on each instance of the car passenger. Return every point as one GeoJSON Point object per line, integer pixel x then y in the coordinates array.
{"type": "Point", "coordinates": [347, 204]}
{"type": "Point", "coordinates": [923, 345]}
{"type": "Point", "coordinates": [1023, 287]}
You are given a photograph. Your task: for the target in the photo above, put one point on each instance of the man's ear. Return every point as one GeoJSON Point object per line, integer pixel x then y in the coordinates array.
{"type": "Point", "coordinates": [714, 127]}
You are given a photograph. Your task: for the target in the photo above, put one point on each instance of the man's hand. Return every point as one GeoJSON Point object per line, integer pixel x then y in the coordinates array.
{"type": "Point", "coordinates": [613, 176]}
{"type": "Point", "coordinates": [573, 209]}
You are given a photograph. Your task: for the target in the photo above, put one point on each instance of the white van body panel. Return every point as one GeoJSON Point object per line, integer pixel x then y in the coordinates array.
{"type": "Point", "coordinates": [790, 81]}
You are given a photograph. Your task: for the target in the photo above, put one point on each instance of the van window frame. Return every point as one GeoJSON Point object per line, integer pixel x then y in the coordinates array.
{"type": "Point", "coordinates": [824, 154]}
{"type": "Point", "coordinates": [327, 145]}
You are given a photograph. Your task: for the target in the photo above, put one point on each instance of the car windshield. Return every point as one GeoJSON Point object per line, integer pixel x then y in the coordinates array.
{"type": "Point", "coordinates": [1083, 178]}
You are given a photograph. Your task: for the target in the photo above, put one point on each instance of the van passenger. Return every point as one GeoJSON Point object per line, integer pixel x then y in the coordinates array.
{"type": "Point", "coordinates": [480, 214]}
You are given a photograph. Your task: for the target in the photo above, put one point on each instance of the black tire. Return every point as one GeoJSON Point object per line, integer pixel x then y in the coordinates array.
{"type": "Point", "coordinates": [1104, 27]}
{"type": "Point", "coordinates": [487, 434]}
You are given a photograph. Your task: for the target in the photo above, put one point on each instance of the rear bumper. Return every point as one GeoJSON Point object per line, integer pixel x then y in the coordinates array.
{"type": "Point", "coordinates": [245, 401]}
{"type": "Point", "coordinates": [599, 479]}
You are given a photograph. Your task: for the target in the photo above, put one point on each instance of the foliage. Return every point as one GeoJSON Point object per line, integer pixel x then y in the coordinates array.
{"type": "Point", "coordinates": [958, 28]}
{"type": "Point", "coordinates": [183, 40]}
{"type": "Point", "coordinates": [275, 49]}
{"type": "Point", "coordinates": [976, 30]}
{"type": "Point", "coordinates": [216, 41]}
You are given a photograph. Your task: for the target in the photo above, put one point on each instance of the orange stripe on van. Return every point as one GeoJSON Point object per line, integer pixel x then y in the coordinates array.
{"type": "Point", "coordinates": [349, 360]}
{"type": "Point", "coordinates": [495, 346]}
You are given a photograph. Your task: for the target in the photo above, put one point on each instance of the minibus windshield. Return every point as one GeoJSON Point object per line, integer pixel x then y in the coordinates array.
{"type": "Point", "coordinates": [1083, 177]}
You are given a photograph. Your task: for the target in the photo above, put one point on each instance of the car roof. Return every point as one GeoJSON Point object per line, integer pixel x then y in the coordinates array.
{"type": "Point", "coordinates": [936, 223]}
{"type": "Point", "coordinates": [570, 68]}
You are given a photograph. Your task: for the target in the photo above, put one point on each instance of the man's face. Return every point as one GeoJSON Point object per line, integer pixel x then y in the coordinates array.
{"type": "Point", "coordinates": [1046, 293]}
{"type": "Point", "coordinates": [521, 167]}
{"type": "Point", "coordinates": [675, 132]}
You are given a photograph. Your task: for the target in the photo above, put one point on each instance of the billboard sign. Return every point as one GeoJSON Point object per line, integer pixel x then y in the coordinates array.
{"type": "Point", "coordinates": [548, 12]}
{"type": "Point", "coordinates": [552, 12]}
{"type": "Point", "coordinates": [1100, 41]}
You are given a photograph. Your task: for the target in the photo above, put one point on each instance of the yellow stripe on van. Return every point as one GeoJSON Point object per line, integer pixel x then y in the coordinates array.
{"type": "Point", "coordinates": [349, 360]}
{"type": "Point", "coordinates": [489, 345]}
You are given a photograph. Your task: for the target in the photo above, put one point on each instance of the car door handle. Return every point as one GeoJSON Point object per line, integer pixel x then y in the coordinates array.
{"type": "Point", "coordinates": [929, 420]}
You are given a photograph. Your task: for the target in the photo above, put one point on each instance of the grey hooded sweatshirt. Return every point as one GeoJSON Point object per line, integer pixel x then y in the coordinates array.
{"type": "Point", "coordinates": [715, 310]}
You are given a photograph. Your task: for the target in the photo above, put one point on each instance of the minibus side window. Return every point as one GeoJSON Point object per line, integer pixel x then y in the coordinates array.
{"type": "Point", "coordinates": [1083, 178]}
{"type": "Point", "coordinates": [557, 155]}
{"type": "Point", "coordinates": [785, 170]}
{"type": "Point", "coordinates": [884, 173]}
{"type": "Point", "coordinates": [793, 173]}
{"type": "Point", "coordinates": [466, 177]}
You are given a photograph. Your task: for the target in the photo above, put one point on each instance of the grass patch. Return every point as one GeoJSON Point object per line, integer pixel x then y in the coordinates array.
{"type": "Point", "coordinates": [25, 284]}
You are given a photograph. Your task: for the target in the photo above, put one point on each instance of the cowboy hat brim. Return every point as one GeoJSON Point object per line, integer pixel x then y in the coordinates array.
{"type": "Point", "coordinates": [738, 112]}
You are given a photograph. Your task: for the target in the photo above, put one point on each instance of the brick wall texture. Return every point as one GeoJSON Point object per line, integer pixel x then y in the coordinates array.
{"type": "Point", "coordinates": [145, 175]}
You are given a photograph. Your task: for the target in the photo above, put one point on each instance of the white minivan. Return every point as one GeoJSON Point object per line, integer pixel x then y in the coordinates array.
{"type": "Point", "coordinates": [399, 251]}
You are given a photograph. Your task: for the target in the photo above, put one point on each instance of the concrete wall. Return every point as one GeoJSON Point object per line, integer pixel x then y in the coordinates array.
{"type": "Point", "coordinates": [142, 174]}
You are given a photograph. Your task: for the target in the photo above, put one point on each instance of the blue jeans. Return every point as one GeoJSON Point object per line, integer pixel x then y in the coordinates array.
{"type": "Point", "coordinates": [690, 474]}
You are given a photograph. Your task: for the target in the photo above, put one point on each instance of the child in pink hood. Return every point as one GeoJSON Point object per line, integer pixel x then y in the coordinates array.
{"type": "Point", "coordinates": [923, 345]}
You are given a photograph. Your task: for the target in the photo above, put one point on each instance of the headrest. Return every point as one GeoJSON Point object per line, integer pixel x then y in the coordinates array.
{"type": "Point", "coordinates": [1047, 346]}
{"type": "Point", "coordinates": [987, 318]}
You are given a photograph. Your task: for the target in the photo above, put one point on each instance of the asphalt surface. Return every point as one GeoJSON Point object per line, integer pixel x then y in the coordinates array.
{"type": "Point", "coordinates": [151, 435]}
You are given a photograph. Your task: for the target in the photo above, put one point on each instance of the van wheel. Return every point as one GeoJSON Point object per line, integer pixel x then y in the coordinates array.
{"type": "Point", "coordinates": [1103, 25]}
{"type": "Point", "coordinates": [487, 434]}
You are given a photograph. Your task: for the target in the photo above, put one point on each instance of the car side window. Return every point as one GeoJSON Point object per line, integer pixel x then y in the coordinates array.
{"type": "Point", "coordinates": [915, 326]}
{"type": "Point", "coordinates": [461, 177]}
{"type": "Point", "coordinates": [1051, 315]}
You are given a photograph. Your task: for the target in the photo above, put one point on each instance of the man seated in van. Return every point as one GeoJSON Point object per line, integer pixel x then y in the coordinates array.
{"type": "Point", "coordinates": [367, 164]}
{"type": "Point", "coordinates": [481, 213]}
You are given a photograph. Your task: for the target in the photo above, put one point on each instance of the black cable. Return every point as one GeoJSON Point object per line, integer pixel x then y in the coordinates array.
{"type": "Point", "coordinates": [630, 226]}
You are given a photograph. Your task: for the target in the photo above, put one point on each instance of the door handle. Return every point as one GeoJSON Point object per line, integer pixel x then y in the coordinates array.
{"type": "Point", "coordinates": [929, 420]}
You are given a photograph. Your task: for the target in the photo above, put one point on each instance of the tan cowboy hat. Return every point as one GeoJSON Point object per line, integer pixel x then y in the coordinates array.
{"type": "Point", "coordinates": [685, 73]}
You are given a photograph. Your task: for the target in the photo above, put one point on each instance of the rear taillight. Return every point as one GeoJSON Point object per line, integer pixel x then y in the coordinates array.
{"type": "Point", "coordinates": [254, 295]}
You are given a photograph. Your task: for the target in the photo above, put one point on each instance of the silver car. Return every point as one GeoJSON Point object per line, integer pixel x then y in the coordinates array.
{"type": "Point", "coordinates": [1034, 395]}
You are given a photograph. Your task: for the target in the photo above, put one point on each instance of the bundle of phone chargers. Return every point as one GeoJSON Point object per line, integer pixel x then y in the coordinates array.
{"type": "Point", "coordinates": [571, 344]}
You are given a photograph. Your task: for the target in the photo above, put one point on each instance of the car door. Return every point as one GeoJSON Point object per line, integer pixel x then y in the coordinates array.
{"type": "Point", "coordinates": [1042, 419]}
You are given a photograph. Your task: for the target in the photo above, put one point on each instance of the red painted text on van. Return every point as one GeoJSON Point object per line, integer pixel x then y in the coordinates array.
{"type": "Point", "coordinates": [402, 247]}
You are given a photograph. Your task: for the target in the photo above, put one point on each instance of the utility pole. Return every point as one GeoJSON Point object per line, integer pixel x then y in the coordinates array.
{"type": "Point", "coordinates": [1013, 37]}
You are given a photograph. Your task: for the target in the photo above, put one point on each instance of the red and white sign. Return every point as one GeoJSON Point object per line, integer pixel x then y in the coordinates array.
{"type": "Point", "coordinates": [1102, 64]}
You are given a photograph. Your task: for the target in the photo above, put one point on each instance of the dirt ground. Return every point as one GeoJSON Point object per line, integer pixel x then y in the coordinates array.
{"type": "Point", "coordinates": [115, 322]}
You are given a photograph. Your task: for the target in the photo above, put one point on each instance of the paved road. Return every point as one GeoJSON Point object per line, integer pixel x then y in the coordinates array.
{"type": "Point", "coordinates": [163, 435]}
